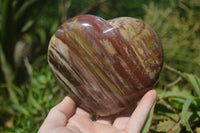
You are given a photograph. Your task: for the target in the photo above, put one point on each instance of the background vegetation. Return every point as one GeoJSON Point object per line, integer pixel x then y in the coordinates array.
{"type": "Point", "coordinates": [28, 89]}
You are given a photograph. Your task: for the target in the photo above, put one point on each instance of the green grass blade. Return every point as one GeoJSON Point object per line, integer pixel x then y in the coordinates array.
{"type": "Point", "coordinates": [24, 9]}
{"type": "Point", "coordinates": [22, 15]}
{"type": "Point", "coordinates": [20, 109]}
{"type": "Point", "coordinates": [194, 81]}
{"type": "Point", "coordinates": [6, 68]}
{"type": "Point", "coordinates": [173, 95]}
{"type": "Point", "coordinates": [7, 37]}
{"type": "Point", "coordinates": [13, 96]}
{"type": "Point", "coordinates": [32, 101]}
{"type": "Point", "coordinates": [9, 77]}
{"type": "Point", "coordinates": [148, 121]}
{"type": "Point", "coordinates": [184, 112]}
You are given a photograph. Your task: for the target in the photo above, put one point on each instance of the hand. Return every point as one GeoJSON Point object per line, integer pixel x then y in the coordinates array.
{"type": "Point", "coordinates": [67, 118]}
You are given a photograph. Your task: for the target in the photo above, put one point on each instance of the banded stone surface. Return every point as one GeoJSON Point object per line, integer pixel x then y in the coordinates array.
{"type": "Point", "coordinates": [105, 66]}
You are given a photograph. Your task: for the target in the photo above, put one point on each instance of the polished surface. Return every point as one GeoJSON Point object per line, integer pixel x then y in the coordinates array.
{"type": "Point", "coordinates": [105, 66]}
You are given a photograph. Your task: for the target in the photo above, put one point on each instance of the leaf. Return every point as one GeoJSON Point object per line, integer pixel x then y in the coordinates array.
{"type": "Point", "coordinates": [165, 126]}
{"type": "Point", "coordinates": [24, 9]}
{"type": "Point", "coordinates": [148, 121]}
{"type": "Point", "coordinates": [20, 109]}
{"type": "Point", "coordinates": [184, 113]}
{"type": "Point", "coordinates": [6, 68]}
{"type": "Point", "coordinates": [173, 95]}
{"type": "Point", "coordinates": [27, 26]}
{"type": "Point", "coordinates": [22, 15]}
{"type": "Point", "coordinates": [7, 37]}
{"type": "Point", "coordinates": [32, 101]}
{"type": "Point", "coordinates": [54, 27]}
{"type": "Point", "coordinates": [159, 117]}
{"type": "Point", "coordinates": [194, 81]}
{"type": "Point", "coordinates": [42, 35]}
{"type": "Point", "coordinates": [198, 113]}
{"type": "Point", "coordinates": [13, 96]}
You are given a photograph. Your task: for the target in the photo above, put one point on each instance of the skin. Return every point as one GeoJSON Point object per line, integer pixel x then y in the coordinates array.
{"type": "Point", "coordinates": [66, 117]}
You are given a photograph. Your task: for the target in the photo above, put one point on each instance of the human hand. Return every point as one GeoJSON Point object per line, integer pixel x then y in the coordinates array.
{"type": "Point", "coordinates": [66, 117]}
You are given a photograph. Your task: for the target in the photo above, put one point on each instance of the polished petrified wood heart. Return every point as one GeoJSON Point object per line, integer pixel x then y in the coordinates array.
{"type": "Point", "coordinates": [105, 66]}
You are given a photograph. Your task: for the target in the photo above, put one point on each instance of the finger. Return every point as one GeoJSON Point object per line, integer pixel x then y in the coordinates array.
{"type": "Point", "coordinates": [59, 115]}
{"type": "Point", "coordinates": [83, 113]}
{"type": "Point", "coordinates": [81, 120]}
{"type": "Point", "coordinates": [121, 122]}
{"type": "Point", "coordinates": [106, 120]}
{"type": "Point", "coordinates": [122, 119]}
{"type": "Point", "coordinates": [80, 116]}
{"type": "Point", "coordinates": [139, 116]}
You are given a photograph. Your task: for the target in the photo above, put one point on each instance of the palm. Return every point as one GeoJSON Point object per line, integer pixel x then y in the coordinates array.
{"type": "Point", "coordinates": [77, 120]}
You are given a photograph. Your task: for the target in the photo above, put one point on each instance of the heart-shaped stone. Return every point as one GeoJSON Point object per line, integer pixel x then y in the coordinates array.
{"type": "Point", "coordinates": [105, 66]}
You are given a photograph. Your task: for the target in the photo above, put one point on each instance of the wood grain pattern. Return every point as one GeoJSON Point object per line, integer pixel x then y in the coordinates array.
{"type": "Point", "coordinates": [105, 66]}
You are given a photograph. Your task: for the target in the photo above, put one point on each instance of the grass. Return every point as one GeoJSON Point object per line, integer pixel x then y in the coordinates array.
{"type": "Point", "coordinates": [26, 108]}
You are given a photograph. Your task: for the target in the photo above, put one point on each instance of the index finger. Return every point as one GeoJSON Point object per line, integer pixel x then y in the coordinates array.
{"type": "Point", "coordinates": [59, 115]}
